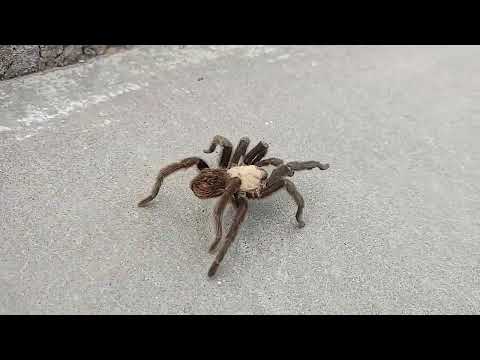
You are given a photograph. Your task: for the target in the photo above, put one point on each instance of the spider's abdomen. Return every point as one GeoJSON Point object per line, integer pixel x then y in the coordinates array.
{"type": "Point", "coordinates": [251, 176]}
{"type": "Point", "coordinates": [209, 183]}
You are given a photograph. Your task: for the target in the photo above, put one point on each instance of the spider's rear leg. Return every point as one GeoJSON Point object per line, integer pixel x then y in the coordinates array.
{"type": "Point", "coordinates": [226, 151]}
{"type": "Point", "coordinates": [236, 202]}
{"type": "Point", "coordinates": [256, 154]}
{"type": "Point", "coordinates": [170, 169]}
{"type": "Point", "coordinates": [239, 217]}
{"type": "Point", "coordinates": [232, 187]}
{"type": "Point", "coordinates": [292, 190]}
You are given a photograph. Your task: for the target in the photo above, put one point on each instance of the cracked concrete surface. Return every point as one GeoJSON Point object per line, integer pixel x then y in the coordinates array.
{"type": "Point", "coordinates": [391, 228]}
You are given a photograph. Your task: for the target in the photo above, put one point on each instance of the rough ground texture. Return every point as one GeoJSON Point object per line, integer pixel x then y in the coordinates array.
{"type": "Point", "coordinates": [17, 60]}
{"type": "Point", "coordinates": [392, 227]}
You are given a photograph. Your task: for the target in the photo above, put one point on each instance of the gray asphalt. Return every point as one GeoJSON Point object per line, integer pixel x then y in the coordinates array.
{"type": "Point", "coordinates": [393, 226]}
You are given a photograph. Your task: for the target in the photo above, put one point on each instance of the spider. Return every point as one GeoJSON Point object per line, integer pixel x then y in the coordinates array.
{"type": "Point", "coordinates": [239, 177]}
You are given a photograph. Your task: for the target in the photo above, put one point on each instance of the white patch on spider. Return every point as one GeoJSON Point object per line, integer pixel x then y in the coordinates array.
{"type": "Point", "coordinates": [250, 176]}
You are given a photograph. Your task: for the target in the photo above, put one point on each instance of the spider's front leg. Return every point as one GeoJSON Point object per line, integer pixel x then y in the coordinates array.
{"type": "Point", "coordinates": [270, 161]}
{"type": "Point", "coordinates": [226, 152]}
{"type": "Point", "coordinates": [257, 153]}
{"type": "Point", "coordinates": [170, 169]}
{"type": "Point", "coordinates": [240, 151]}
{"type": "Point", "coordinates": [292, 190]}
{"type": "Point", "coordinates": [232, 187]}
{"type": "Point", "coordinates": [289, 169]}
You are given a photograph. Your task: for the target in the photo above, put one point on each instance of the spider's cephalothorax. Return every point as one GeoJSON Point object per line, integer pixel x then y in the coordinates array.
{"type": "Point", "coordinates": [238, 177]}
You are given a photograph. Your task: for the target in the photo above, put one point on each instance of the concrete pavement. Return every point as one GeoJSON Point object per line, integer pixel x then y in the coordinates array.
{"type": "Point", "coordinates": [392, 227]}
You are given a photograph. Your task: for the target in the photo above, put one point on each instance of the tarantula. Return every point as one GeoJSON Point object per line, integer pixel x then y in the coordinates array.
{"type": "Point", "coordinates": [238, 177]}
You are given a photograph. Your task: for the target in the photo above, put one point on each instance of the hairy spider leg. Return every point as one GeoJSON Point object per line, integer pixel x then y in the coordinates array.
{"type": "Point", "coordinates": [170, 169]}
{"type": "Point", "coordinates": [239, 218]}
{"type": "Point", "coordinates": [233, 186]}
{"type": "Point", "coordinates": [256, 154]}
{"type": "Point", "coordinates": [276, 182]}
{"type": "Point", "coordinates": [235, 200]}
{"type": "Point", "coordinates": [270, 161]}
{"type": "Point", "coordinates": [226, 151]}
{"type": "Point", "coordinates": [240, 151]}
{"type": "Point", "coordinates": [307, 165]}
{"type": "Point", "coordinates": [292, 190]}
{"type": "Point", "coordinates": [289, 169]}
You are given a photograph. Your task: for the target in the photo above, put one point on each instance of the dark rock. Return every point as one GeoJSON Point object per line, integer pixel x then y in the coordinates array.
{"type": "Point", "coordinates": [17, 60]}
